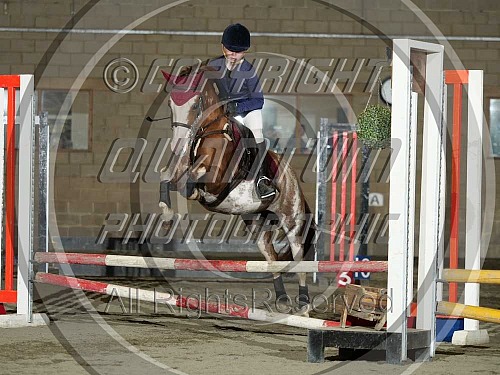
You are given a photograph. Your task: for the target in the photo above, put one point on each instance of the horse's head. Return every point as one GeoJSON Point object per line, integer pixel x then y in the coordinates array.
{"type": "Point", "coordinates": [192, 99]}
{"type": "Point", "coordinates": [185, 99]}
{"type": "Point", "coordinates": [195, 106]}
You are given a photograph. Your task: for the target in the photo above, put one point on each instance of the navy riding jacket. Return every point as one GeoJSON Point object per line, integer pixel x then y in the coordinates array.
{"type": "Point", "coordinates": [240, 85]}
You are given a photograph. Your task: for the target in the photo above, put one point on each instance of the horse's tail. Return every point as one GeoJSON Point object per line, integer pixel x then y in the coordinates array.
{"type": "Point", "coordinates": [309, 242]}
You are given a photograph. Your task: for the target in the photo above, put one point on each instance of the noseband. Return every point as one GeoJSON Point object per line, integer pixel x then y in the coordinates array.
{"type": "Point", "coordinates": [198, 115]}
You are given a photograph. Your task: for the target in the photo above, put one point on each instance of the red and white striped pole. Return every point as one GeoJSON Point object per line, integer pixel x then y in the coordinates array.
{"type": "Point", "coordinates": [193, 304]}
{"type": "Point", "coordinates": [210, 265]}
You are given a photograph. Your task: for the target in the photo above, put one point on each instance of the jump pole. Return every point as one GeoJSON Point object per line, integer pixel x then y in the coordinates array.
{"type": "Point", "coordinates": [233, 310]}
{"type": "Point", "coordinates": [210, 265]}
{"type": "Point", "coordinates": [483, 314]}
{"type": "Point", "coordinates": [471, 276]}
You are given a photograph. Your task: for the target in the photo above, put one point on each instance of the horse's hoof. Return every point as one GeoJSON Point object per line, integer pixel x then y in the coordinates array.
{"type": "Point", "coordinates": [166, 226]}
{"type": "Point", "coordinates": [164, 175]}
{"type": "Point", "coordinates": [304, 295]}
{"type": "Point", "coordinates": [283, 304]}
{"type": "Point", "coordinates": [195, 195]}
{"type": "Point", "coordinates": [304, 310]}
{"type": "Point", "coordinates": [304, 299]}
{"type": "Point", "coordinates": [167, 213]}
{"type": "Point", "coordinates": [199, 173]}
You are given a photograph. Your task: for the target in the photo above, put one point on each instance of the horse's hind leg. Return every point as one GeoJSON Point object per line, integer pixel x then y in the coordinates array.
{"type": "Point", "coordinates": [293, 230]}
{"type": "Point", "coordinates": [267, 249]}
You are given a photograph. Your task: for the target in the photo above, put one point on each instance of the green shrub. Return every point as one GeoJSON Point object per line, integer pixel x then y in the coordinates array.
{"type": "Point", "coordinates": [374, 126]}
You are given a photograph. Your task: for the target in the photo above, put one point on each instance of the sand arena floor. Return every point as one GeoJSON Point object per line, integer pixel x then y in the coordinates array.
{"type": "Point", "coordinates": [89, 334]}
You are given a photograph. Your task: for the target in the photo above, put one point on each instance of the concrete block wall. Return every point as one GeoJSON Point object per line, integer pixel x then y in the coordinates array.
{"type": "Point", "coordinates": [63, 60]}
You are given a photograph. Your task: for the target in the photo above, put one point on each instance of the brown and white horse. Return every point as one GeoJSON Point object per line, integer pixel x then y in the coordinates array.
{"type": "Point", "coordinates": [212, 155]}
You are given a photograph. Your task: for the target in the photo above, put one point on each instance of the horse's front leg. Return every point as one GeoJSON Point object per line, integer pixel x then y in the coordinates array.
{"type": "Point", "coordinates": [171, 177]}
{"type": "Point", "coordinates": [267, 249]}
{"type": "Point", "coordinates": [194, 177]}
{"type": "Point", "coordinates": [165, 203]}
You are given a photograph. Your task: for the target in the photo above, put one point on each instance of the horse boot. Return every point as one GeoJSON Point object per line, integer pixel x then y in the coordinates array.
{"type": "Point", "coordinates": [263, 184]}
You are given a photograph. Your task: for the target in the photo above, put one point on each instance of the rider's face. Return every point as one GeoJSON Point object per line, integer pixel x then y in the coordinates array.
{"type": "Point", "coordinates": [233, 57]}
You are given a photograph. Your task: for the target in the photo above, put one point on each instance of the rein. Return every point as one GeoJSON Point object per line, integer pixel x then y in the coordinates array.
{"type": "Point", "coordinates": [202, 133]}
{"type": "Point", "coordinates": [198, 133]}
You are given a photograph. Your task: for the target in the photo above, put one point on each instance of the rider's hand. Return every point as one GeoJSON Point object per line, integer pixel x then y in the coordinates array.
{"type": "Point", "coordinates": [232, 108]}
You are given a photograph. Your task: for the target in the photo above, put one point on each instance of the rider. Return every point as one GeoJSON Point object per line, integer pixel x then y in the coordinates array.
{"type": "Point", "coordinates": [239, 86]}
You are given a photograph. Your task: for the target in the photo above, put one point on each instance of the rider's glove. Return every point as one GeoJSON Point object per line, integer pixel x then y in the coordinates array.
{"type": "Point", "coordinates": [232, 108]}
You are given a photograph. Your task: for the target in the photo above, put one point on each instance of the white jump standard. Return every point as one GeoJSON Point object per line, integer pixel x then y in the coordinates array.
{"type": "Point", "coordinates": [22, 295]}
{"type": "Point", "coordinates": [399, 340]}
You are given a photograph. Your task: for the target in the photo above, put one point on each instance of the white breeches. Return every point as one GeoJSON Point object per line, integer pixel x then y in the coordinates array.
{"type": "Point", "coordinates": [253, 121]}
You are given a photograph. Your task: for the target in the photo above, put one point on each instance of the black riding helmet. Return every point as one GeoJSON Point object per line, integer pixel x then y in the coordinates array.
{"type": "Point", "coordinates": [236, 38]}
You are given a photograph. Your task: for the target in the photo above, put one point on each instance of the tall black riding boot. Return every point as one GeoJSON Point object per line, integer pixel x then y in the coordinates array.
{"type": "Point", "coordinates": [263, 184]}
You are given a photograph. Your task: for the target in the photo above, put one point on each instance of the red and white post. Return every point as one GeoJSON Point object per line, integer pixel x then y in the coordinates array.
{"type": "Point", "coordinates": [344, 162]}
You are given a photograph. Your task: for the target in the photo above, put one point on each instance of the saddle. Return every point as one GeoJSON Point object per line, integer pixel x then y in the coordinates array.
{"type": "Point", "coordinates": [246, 154]}
{"type": "Point", "coordinates": [242, 134]}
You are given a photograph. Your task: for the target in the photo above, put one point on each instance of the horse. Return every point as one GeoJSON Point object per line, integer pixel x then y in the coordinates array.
{"type": "Point", "coordinates": [212, 154]}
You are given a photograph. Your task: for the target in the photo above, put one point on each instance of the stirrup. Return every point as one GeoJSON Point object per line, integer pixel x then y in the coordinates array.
{"type": "Point", "coordinates": [267, 182]}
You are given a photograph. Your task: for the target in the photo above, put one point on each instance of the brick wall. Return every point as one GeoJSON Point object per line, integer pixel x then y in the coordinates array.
{"type": "Point", "coordinates": [62, 60]}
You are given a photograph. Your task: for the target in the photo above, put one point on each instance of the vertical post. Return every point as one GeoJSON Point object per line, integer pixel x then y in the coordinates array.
{"type": "Point", "coordinates": [321, 181]}
{"type": "Point", "coordinates": [25, 193]}
{"type": "Point", "coordinates": [43, 185]}
{"type": "Point", "coordinates": [353, 192]}
{"type": "Point", "coordinates": [442, 212]}
{"type": "Point", "coordinates": [397, 274]}
{"type": "Point", "coordinates": [457, 78]}
{"type": "Point", "coordinates": [474, 185]}
{"type": "Point", "coordinates": [365, 192]}
{"type": "Point", "coordinates": [8, 83]}
{"type": "Point", "coordinates": [333, 211]}
{"type": "Point", "coordinates": [2, 161]}
{"type": "Point", "coordinates": [455, 184]}
{"type": "Point", "coordinates": [343, 196]}
{"type": "Point", "coordinates": [10, 188]}
{"type": "Point", "coordinates": [411, 192]}
{"type": "Point", "coordinates": [317, 209]}
{"type": "Point", "coordinates": [432, 176]}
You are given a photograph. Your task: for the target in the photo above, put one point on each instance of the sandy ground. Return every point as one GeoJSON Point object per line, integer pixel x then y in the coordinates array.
{"type": "Point", "coordinates": [79, 340]}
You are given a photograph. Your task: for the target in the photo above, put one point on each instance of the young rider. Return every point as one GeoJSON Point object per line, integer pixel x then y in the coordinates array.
{"type": "Point", "coordinates": [240, 88]}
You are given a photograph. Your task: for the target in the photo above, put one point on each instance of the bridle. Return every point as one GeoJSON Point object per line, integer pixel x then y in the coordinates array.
{"type": "Point", "coordinates": [198, 132]}
{"type": "Point", "coordinates": [200, 107]}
